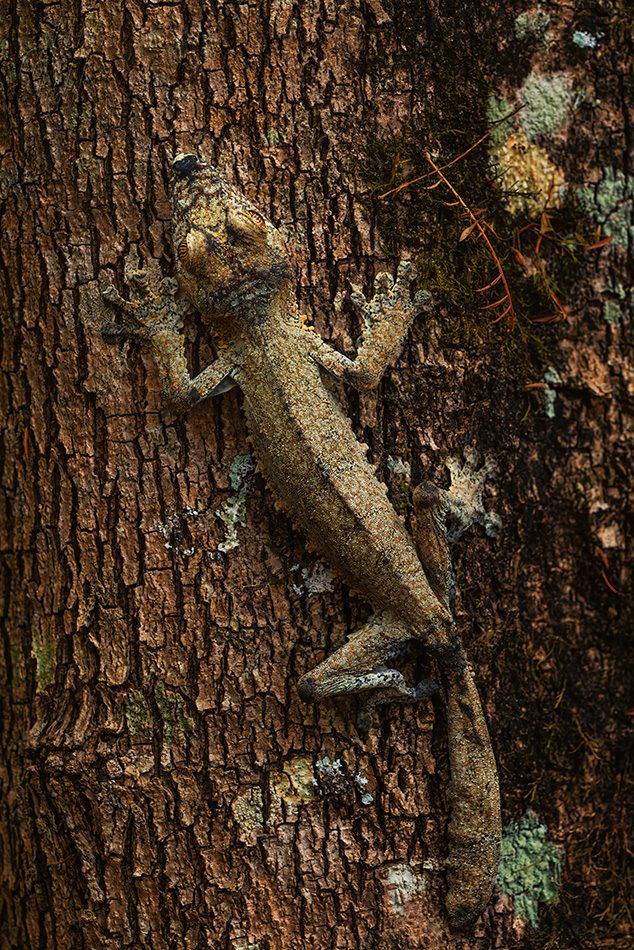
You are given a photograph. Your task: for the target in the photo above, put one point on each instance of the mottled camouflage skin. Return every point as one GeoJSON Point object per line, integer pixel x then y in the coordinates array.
{"type": "Point", "coordinates": [234, 267]}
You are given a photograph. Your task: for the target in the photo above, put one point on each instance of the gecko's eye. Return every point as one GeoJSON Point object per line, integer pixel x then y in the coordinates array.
{"type": "Point", "coordinates": [185, 165]}
{"type": "Point", "coordinates": [247, 224]}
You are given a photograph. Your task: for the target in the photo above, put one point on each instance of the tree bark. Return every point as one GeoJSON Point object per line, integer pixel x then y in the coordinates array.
{"type": "Point", "coordinates": [162, 784]}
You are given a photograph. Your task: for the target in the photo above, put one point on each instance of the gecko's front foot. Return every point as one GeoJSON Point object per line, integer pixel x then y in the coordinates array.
{"type": "Point", "coordinates": [147, 312]}
{"type": "Point", "coordinates": [392, 300]}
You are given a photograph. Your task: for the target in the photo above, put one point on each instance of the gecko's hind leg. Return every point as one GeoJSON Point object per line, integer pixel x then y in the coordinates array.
{"type": "Point", "coordinates": [359, 666]}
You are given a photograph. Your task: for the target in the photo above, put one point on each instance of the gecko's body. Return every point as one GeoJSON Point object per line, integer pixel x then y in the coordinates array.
{"type": "Point", "coordinates": [315, 466]}
{"type": "Point", "coordinates": [235, 269]}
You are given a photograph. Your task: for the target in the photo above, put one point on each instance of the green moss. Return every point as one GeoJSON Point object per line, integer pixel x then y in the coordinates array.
{"type": "Point", "coordinates": [497, 109]}
{"type": "Point", "coordinates": [44, 650]}
{"type": "Point", "coordinates": [523, 208]}
{"type": "Point", "coordinates": [170, 706]}
{"type": "Point", "coordinates": [171, 710]}
{"type": "Point", "coordinates": [530, 867]}
{"type": "Point", "coordinates": [138, 716]}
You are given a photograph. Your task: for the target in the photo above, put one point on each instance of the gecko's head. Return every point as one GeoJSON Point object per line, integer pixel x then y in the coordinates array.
{"type": "Point", "coordinates": [231, 259]}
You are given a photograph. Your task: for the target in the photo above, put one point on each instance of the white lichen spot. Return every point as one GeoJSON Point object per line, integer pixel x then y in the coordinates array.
{"type": "Point", "coordinates": [610, 536]}
{"type": "Point", "coordinates": [172, 533]}
{"type": "Point", "coordinates": [314, 579]}
{"type": "Point", "coordinates": [397, 466]}
{"type": "Point", "coordinates": [232, 512]}
{"type": "Point", "coordinates": [403, 884]}
{"type": "Point", "coordinates": [361, 782]}
{"type": "Point", "coordinates": [464, 496]}
{"type": "Point", "coordinates": [586, 40]}
{"type": "Point", "coordinates": [530, 867]}
{"type": "Point", "coordinates": [550, 379]}
{"type": "Point", "coordinates": [547, 104]}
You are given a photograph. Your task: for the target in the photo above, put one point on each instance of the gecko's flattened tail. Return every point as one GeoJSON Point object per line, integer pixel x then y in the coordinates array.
{"type": "Point", "coordinates": [475, 826]}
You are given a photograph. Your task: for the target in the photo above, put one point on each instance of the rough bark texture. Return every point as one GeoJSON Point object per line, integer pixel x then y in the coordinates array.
{"type": "Point", "coordinates": [162, 784]}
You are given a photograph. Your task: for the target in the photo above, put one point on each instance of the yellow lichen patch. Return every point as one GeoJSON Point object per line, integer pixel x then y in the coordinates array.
{"type": "Point", "coordinates": [528, 171]}
{"type": "Point", "coordinates": [295, 783]}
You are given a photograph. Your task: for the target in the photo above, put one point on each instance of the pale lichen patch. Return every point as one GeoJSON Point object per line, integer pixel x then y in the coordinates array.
{"type": "Point", "coordinates": [530, 867]}
{"type": "Point", "coordinates": [534, 24]}
{"type": "Point", "coordinates": [548, 104]}
{"type": "Point", "coordinates": [232, 512]}
{"type": "Point", "coordinates": [315, 579]}
{"type": "Point", "coordinates": [247, 812]}
{"type": "Point", "coordinates": [402, 884]}
{"type": "Point", "coordinates": [528, 174]}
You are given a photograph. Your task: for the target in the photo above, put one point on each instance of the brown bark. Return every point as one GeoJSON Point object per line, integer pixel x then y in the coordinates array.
{"type": "Point", "coordinates": [156, 764]}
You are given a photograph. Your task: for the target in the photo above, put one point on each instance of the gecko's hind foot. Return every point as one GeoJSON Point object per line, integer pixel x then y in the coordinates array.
{"type": "Point", "coordinates": [464, 496]}
{"type": "Point", "coordinates": [370, 702]}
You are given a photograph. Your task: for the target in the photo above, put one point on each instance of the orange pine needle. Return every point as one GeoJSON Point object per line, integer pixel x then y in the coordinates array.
{"type": "Point", "coordinates": [601, 243]}
{"type": "Point", "coordinates": [415, 181]}
{"type": "Point", "coordinates": [485, 238]}
{"type": "Point", "coordinates": [497, 303]}
{"type": "Point", "coordinates": [488, 286]}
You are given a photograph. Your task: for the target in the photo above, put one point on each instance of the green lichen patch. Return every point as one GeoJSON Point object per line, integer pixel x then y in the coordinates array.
{"type": "Point", "coordinates": [548, 104]}
{"type": "Point", "coordinates": [530, 867]}
{"type": "Point", "coordinates": [534, 25]}
{"type": "Point", "coordinates": [611, 203]}
{"type": "Point", "coordinates": [295, 783]}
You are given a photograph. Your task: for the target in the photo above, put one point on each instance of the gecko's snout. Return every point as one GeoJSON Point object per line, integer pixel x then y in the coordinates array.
{"type": "Point", "coordinates": [186, 165]}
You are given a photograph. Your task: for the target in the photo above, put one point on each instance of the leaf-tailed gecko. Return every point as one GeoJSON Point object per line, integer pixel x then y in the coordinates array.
{"type": "Point", "coordinates": [234, 267]}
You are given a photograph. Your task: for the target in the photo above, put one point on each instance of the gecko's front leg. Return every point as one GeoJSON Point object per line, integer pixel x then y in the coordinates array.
{"type": "Point", "coordinates": [155, 318]}
{"type": "Point", "coordinates": [386, 317]}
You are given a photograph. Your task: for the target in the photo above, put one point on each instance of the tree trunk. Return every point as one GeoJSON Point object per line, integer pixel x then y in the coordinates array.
{"type": "Point", "coordinates": [162, 784]}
